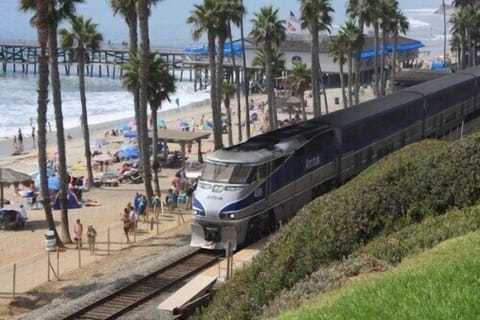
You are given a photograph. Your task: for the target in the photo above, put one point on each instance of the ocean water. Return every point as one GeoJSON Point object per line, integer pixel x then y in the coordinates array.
{"type": "Point", "coordinates": [107, 100]}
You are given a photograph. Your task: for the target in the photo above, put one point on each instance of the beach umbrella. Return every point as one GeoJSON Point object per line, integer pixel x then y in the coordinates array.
{"type": "Point", "coordinates": [184, 126]}
{"type": "Point", "coordinates": [8, 177]}
{"type": "Point", "coordinates": [130, 134]}
{"type": "Point", "coordinates": [123, 127]}
{"type": "Point", "coordinates": [129, 151]}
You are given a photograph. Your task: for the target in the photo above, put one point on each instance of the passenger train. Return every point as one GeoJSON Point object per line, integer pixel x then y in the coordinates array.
{"type": "Point", "coordinates": [249, 188]}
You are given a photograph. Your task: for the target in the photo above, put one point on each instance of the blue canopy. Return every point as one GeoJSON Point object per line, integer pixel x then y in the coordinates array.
{"type": "Point", "coordinates": [130, 134]}
{"type": "Point", "coordinates": [123, 127]}
{"type": "Point", "coordinates": [228, 48]}
{"type": "Point", "coordinates": [129, 151]}
{"type": "Point", "coordinates": [73, 202]}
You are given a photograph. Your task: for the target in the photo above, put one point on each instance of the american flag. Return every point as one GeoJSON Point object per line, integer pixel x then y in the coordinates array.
{"type": "Point", "coordinates": [291, 27]}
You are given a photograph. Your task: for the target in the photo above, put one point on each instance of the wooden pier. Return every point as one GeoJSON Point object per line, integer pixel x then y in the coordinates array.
{"type": "Point", "coordinates": [22, 56]}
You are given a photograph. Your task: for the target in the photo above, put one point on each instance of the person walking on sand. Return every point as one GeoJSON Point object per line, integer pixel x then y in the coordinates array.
{"type": "Point", "coordinates": [77, 234]}
{"type": "Point", "coordinates": [20, 139]}
{"type": "Point", "coordinates": [33, 137]}
{"type": "Point", "coordinates": [126, 223]}
{"type": "Point", "coordinates": [91, 235]}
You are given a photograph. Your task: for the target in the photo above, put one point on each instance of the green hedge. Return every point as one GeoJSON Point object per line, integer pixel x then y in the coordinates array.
{"type": "Point", "coordinates": [423, 178]}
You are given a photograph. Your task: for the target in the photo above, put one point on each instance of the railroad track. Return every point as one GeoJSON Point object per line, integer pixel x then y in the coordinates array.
{"type": "Point", "coordinates": [150, 286]}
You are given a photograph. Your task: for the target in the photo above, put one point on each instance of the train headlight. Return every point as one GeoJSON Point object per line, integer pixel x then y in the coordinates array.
{"type": "Point", "coordinates": [232, 188]}
{"type": "Point", "coordinates": [199, 212]}
{"type": "Point", "coordinates": [231, 216]}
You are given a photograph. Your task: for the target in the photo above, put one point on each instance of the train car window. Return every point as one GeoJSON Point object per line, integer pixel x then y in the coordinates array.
{"type": "Point", "coordinates": [216, 172]}
{"type": "Point", "coordinates": [240, 174]}
{"type": "Point", "coordinates": [262, 172]}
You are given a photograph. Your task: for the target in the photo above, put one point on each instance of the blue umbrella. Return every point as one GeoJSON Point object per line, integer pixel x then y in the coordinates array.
{"type": "Point", "coordinates": [123, 127]}
{"type": "Point", "coordinates": [130, 134]}
{"type": "Point", "coordinates": [184, 126]}
{"type": "Point", "coordinates": [129, 151]}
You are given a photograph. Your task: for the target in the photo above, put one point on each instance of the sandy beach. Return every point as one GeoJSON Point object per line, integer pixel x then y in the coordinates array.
{"type": "Point", "coordinates": [23, 246]}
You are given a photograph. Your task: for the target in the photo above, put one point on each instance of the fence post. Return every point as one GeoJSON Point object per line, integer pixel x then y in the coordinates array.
{"type": "Point", "coordinates": [58, 262]}
{"type": "Point", "coordinates": [14, 279]}
{"type": "Point", "coordinates": [108, 241]}
{"type": "Point", "coordinates": [48, 266]}
{"type": "Point", "coordinates": [79, 254]}
{"type": "Point", "coordinates": [158, 226]}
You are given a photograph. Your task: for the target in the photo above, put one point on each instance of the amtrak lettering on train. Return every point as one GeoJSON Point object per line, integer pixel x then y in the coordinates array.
{"type": "Point", "coordinates": [248, 189]}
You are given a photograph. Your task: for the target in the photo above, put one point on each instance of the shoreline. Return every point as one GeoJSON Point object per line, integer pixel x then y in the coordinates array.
{"type": "Point", "coordinates": [6, 144]}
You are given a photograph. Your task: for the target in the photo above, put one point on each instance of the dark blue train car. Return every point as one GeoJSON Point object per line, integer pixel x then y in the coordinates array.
{"type": "Point", "coordinates": [370, 130]}
{"type": "Point", "coordinates": [447, 102]}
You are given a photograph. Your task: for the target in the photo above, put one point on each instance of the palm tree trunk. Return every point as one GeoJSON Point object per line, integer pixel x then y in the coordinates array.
{"type": "Point", "coordinates": [156, 165]}
{"type": "Point", "coordinates": [61, 150]}
{"type": "Point", "coordinates": [85, 130]}
{"type": "Point", "coordinates": [375, 60]}
{"type": "Point", "coordinates": [229, 121]}
{"type": "Point", "coordinates": [350, 74]}
{"type": "Point", "coordinates": [217, 135]}
{"type": "Point", "coordinates": [342, 86]}
{"type": "Point", "coordinates": [143, 12]}
{"type": "Point", "coordinates": [270, 92]}
{"type": "Point", "coordinates": [42, 32]}
{"type": "Point", "coordinates": [444, 33]}
{"type": "Point", "coordinates": [317, 109]}
{"type": "Point", "coordinates": [217, 117]}
{"type": "Point", "coordinates": [394, 62]}
{"type": "Point", "coordinates": [237, 81]}
{"type": "Point", "coordinates": [358, 61]}
{"type": "Point", "coordinates": [245, 81]}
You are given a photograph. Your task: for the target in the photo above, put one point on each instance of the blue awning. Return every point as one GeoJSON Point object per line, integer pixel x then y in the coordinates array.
{"type": "Point", "coordinates": [227, 49]}
{"type": "Point", "coordinates": [401, 47]}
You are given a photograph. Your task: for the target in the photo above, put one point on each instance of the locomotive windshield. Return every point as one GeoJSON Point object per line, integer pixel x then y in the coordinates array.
{"type": "Point", "coordinates": [225, 173]}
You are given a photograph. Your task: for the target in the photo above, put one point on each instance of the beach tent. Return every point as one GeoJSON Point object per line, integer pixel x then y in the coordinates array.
{"type": "Point", "coordinates": [73, 202]}
{"type": "Point", "coordinates": [129, 151]}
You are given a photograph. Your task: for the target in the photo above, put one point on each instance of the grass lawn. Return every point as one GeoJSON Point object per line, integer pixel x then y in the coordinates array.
{"type": "Point", "coordinates": [442, 283]}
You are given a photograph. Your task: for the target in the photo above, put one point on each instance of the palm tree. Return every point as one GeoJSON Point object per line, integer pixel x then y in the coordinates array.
{"type": "Point", "coordinates": [269, 31]}
{"type": "Point", "coordinates": [359, 10]}
{"type": "Point", "coordinates": [228, 11]}
{"type": "Point", "coordinates": [128, 9]}
{"type": "Point", "coordinates": [58, 11]}
{"type": "Point", "coordinates": [400, 25]}
{"type": "Point", "coordinates": [204, 20]}
{"type": "Point", "coordinates": [143, 14]}
{"type": "Point", "coordinates": [82, 38]}
{"type": "Point", "coordinates": [245, 82]}
{"type": "Point", "coordinates": [316, 17]}
{"type": "Point", "coordinates": [278, 61]}
{"type": "Point", "coordinates": [160, 85]}
{"type": "Point", "coordinates": [228, 90]}
{"type": "Point", "coordinates": [42, 31]}
{"type": "Point", "coordinates": [354, 42]}
{"type": "Point", "coordinates": [300, 79]}
{"type": "Point", "coordinates": [337, 47]}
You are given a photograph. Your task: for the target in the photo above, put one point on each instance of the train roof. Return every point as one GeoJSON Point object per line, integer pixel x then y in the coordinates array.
{"type": "Point", "coordinates": [474, 71]}
{"type": "Point", "coordinates": [263, 146]}
{"type": "Point", "coordinates": [346, 117]}
{"type": "Point", "coordinates": [439, 84]}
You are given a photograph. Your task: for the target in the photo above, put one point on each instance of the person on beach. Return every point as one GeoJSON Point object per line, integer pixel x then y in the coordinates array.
{"type": "Point", "coordinates": [91, 236]}
{"type": "Point", "coordinates": [77, 234]}
{"type": "Point", "coordinates": [15, 143]}
{"type": "Point", "coordinates": [177, 101]}
{"type": "Point", "coordinates": [126, 223]}
{"type": "Point", "coordinates": [33, 137]}
{"type": "Point", "coordinates": [20, 139]}
{"type": "Point", "coordinates": [49, 126]}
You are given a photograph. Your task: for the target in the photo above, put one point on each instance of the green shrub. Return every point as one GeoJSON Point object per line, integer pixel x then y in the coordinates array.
{"type": "Point", "coordinates": [422, 179]}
